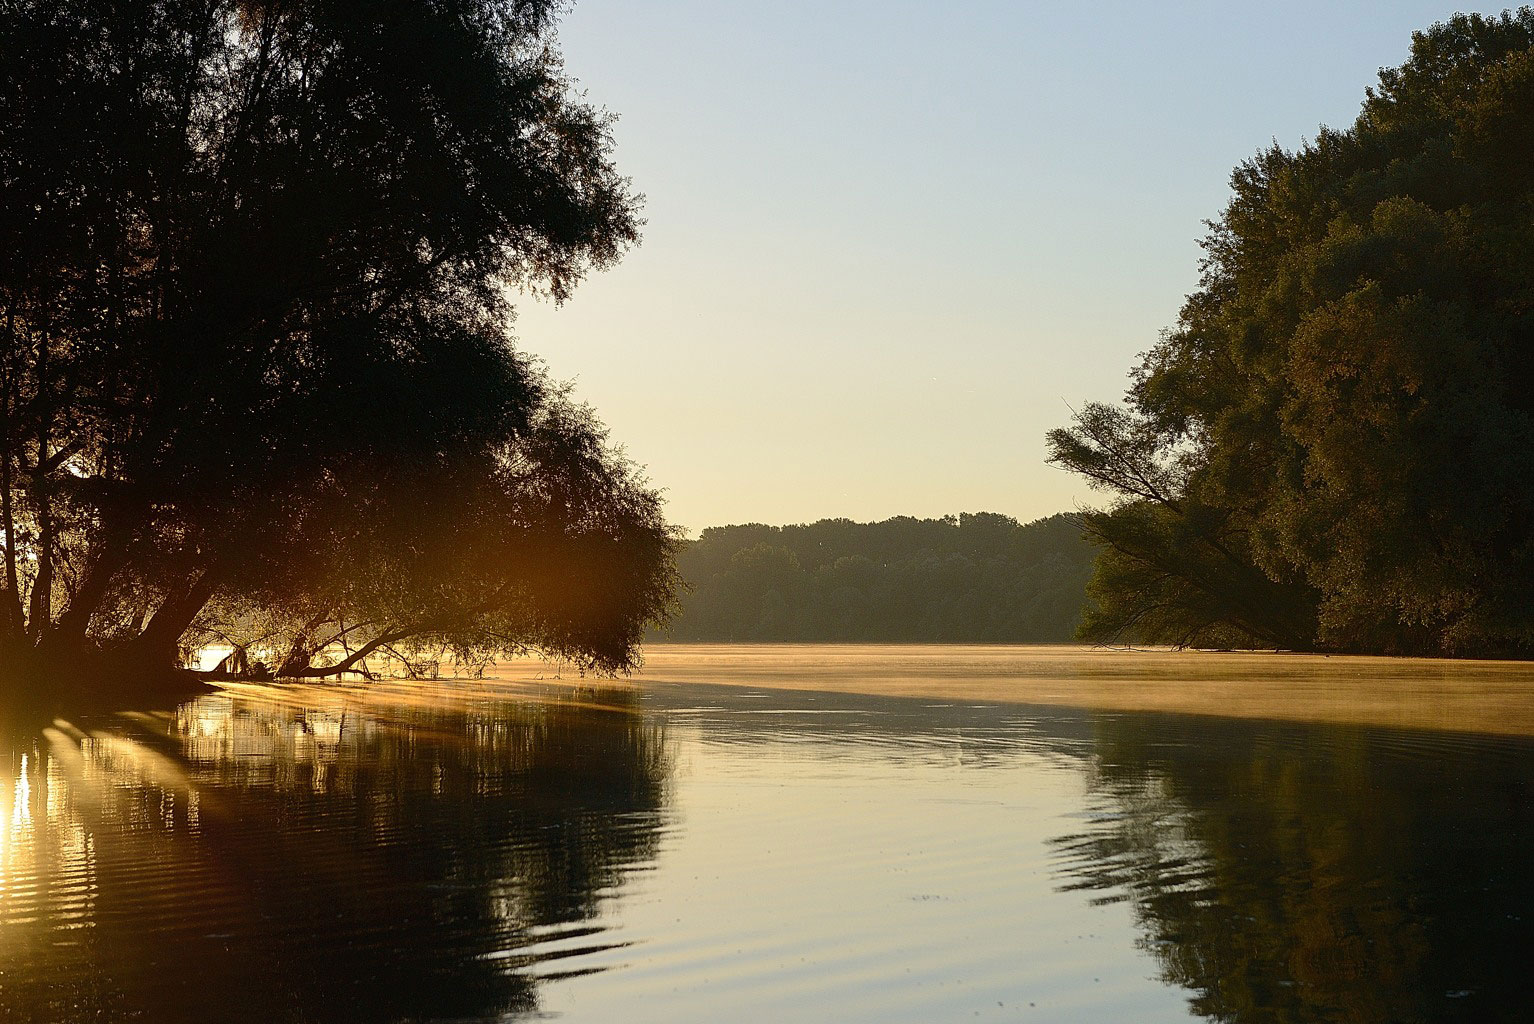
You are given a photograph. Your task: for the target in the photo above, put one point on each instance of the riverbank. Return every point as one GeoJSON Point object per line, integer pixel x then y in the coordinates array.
{"type": "Point", "coordinates": [1411, 693]}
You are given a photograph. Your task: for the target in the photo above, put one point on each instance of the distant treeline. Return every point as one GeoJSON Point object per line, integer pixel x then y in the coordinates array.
{"type": "Point", "coordinates": [967, 578]}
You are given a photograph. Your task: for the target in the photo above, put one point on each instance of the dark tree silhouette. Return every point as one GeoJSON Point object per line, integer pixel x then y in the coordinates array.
{"type": "Point", "coordinates": [1333, 447]}
{"type": "Point", "coordinates": [255, 383]}
{"type": "Point", "coordinates": [974, 578]}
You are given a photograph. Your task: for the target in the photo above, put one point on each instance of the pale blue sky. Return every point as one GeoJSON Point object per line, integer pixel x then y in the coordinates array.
{"type": "Point", "coordinates": [889, 242]}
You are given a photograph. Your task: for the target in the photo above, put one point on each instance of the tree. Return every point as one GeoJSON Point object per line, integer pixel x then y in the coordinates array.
{"type": "Point", "coordinates": [256, 261]}
{"type": "Point", "coordinates": [972, 578]}
{"type": "Point", "coordinates": [1334, 445]}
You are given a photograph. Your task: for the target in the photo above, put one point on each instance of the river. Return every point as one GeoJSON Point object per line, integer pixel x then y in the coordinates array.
{"type": "Point", "coordinates": [786, 834]}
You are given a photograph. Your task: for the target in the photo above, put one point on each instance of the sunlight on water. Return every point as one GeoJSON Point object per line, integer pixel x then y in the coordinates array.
{"type": "Point", "coordinates": [1425, 693]}
{"type": "Point", "coordinates": [509, 849]}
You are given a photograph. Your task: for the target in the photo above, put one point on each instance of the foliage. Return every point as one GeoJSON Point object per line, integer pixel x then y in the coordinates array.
{"type": "Point", "coordinates": [255, 267]}
{"type": "Point", "coordinates": [969, 578]}
{"type": "Point", "coordinates": [1335, 446]}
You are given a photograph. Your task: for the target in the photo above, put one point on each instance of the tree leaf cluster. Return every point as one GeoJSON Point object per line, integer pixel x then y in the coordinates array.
{"type": "Point", "coordinates": [256, 269]}
{"type": "Point", "coordinates": [1334, 446]}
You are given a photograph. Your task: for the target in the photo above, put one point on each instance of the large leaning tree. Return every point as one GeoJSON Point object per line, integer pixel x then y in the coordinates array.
{"type": "Point", "coordinates": [1334, 448]}
{"type": "Point", "coordinates": [256, 385]}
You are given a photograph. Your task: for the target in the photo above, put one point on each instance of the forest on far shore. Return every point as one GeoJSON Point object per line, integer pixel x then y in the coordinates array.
{"type": "Point", "coordinates": [977, 578]}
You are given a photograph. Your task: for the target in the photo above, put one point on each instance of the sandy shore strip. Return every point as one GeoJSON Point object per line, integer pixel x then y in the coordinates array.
{"type": "Point", "coordinates": [1413, 693]}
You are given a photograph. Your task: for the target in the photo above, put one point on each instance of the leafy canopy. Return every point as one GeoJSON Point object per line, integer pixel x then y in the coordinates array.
{"type": "Point", "coordinates": [256, 261]}
{"type": "Point", "coordinates": [1335, 445]}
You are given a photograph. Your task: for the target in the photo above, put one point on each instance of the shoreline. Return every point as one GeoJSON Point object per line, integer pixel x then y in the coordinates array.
{"type": "Point", "coordinates": [1441, 694]}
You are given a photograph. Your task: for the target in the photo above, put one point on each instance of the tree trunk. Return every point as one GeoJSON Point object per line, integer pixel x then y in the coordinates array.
{"type": "Point", "coordinates": [155, 647]}
{"type": "Point", "coordinates": [347, 663]}
{"type": "Point", "coordinates": [109, 558]}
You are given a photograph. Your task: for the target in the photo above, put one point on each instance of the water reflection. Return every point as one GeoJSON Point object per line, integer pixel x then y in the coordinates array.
{"type": "Point", "coordinates": [292, 855]}
{"type": "Point", "coordinates": [409, 852]}
{"type": "Point", "coordinates": [1296, 874]}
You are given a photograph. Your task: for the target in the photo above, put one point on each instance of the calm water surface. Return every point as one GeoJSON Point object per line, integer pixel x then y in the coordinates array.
{"type": "Point", "coordinates": [705, 852]}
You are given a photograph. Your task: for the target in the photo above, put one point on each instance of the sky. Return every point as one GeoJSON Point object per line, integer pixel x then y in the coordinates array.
{"type": "Point", "coordinates": [889, 245]}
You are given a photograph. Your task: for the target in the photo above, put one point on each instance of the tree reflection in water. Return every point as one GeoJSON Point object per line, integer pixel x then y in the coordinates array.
{"type": "Point", "coordinates": [1295, 874]}
{"type": "Point", "coordinates": [294, 855]}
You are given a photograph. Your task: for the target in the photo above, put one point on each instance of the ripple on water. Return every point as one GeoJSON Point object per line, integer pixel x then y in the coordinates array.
{"type": "Point", "coordinates": [700, 852]}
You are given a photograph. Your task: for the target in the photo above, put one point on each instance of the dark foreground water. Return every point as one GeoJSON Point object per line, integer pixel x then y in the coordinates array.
{"type": "Point", "coordinates": [711, 853]}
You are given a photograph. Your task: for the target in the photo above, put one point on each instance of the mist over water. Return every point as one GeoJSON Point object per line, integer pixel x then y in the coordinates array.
{"type": "Point", "coordinates": [494, 850]}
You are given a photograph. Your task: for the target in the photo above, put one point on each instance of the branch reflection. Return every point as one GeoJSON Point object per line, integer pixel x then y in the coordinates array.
{"type": "Point", "coordinates": [381, 856]}
{"type": "Point", "coordinates": [1295, 874]}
